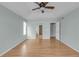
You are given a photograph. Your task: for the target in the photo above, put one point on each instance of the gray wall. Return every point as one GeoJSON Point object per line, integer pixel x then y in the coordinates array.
{"type": "Point", "coordinates": [70, 29]}
{"type": "Point", "coordinates": [32, 28]}
{"type": "Point", "coordinates": [11, 29]}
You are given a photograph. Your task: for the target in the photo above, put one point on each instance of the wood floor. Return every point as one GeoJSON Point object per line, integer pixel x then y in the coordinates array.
{"type": "Point", "coordinates": [42, 48]}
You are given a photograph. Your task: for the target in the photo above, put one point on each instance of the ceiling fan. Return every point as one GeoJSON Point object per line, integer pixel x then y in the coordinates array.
{"type": "Point", "coordinates": [43, 5]}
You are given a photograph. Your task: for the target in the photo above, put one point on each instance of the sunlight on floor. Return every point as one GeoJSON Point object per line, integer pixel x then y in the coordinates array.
{"type": "Point", "coordinates": [23, 49]}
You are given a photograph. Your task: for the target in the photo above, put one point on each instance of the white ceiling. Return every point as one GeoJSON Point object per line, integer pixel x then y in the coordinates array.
{"type": "Point", "coordinates": [24, 9]}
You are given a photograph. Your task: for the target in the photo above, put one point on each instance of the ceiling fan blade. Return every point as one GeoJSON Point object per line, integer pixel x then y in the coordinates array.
{"type": "Point", "coordinates": [50, 7]}
{"type": "Point", "coordinates": [45, 3]}
{"type": "Point", "coordinates": [36, 8]}
{"type": "Point", "coordinates": [37, 3]}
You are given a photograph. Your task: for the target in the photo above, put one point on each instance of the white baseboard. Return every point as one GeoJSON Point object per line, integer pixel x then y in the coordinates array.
{"type": "Point", "coordinates": [70, 46]}
{"type": "Point", "coordinates": [11, 47]}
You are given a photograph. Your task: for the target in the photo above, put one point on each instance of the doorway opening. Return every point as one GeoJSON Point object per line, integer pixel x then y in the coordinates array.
{"type": "Point", "coordinates": [39, 32]}
{"type": "Point", "coordinates": [40, 35]}
{"type": "Point", "coordinates": [53, 30]}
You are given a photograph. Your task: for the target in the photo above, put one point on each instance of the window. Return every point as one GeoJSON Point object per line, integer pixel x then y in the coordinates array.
{"type": "Point", "coordinates": [24, 28]}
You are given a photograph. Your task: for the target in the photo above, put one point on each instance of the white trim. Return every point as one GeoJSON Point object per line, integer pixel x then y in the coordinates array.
{"type": "Point", "coordinates": [58, 30]}
{"type": "Point", "coordinates": [11, 47]}
{"type": "Point", "coordinates": [70, 46]}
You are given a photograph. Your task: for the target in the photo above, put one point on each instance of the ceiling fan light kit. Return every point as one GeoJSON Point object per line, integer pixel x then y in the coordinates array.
{"type": "Point", "coordinates": [42, 6]}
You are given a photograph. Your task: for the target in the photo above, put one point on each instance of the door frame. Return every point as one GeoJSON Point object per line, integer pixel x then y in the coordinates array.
{"type": "Point", "coordinates": [58, 30]}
